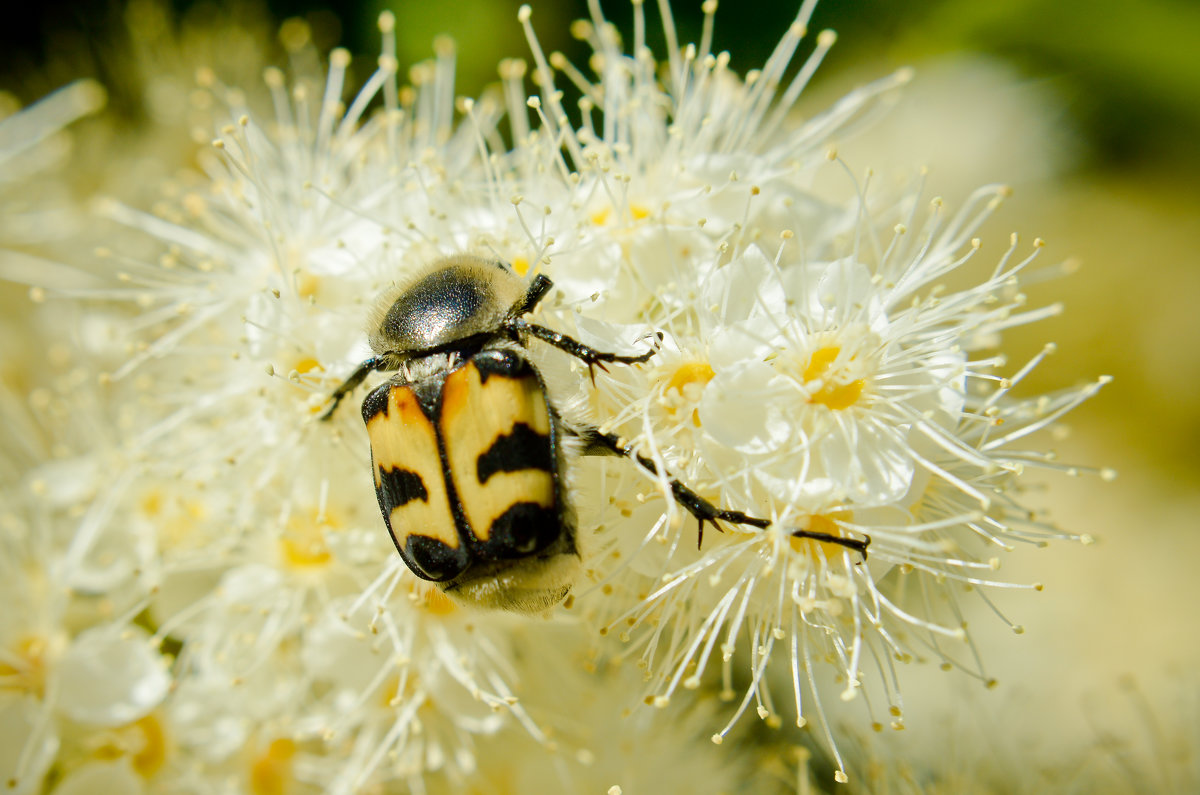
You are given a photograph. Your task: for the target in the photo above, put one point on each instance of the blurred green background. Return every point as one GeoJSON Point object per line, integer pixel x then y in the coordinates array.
{"type": "Point", "coordinates": [1127, 72]}
{"type": "Point", "coordinates": [1090, 109]}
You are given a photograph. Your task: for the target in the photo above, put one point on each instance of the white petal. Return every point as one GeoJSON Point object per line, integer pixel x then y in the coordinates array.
{"type": "Point", "coordinates": [945, 368]}
{"type": "Point", "coordinates": [253, 583]}
{"type": "Point", "coordinates": [110, 677]}
{"type": "Point", "coordinates": [748, 287]}
{"type": "Point", "coordinates": [113, 560]}
{"type": "Point", "coordinates": [740, 408]}
{"type": "Point", "coordinates": [872, 466]}
{"type": "Point", "coordinates": [626, 339]}
{"type": "Point", "coordinates": [71, 481]}
{"type": "Point", "coordinates": [336, 652]}
{"type": "Point", "coordinates": [829, 294]}
{"type": "Point", "coordinates": [199, 711]}
{"type": "Point", "coordinates": [790, 485]}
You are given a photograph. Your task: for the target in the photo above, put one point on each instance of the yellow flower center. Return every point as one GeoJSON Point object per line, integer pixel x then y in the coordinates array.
{"type": "Point", "coordinates": [271, 771]}
{"type": "Point", "coordinates": [144, 741]}
{"type": "Point", "coordinates": [174, 517]}
{"type": "Point", "coordinates": [307, 365]}
{"type": "Point", "coordinates": [303, 545]}
{"type": "Point", "coordinates": [307, 284]}
{"type": "Point", "coordinates": [301, 366]}
{"type": "Point", "coordinates": [686, 386]}
{"type": "Point", "coordinates": [432, 599]}
{"type": "Point", "coordinates": [601, 217]}
{"type": "Point", "coordinates": [152, 503]}
{"type": "Point", "coordinates": [23, 667]}
{"type": "Point", "coordinates": [391, 689]}
{"type": "Point", "coordinates": [151, 753]}
{"type": "Point", "coordinates": [833, 392]}
{"type": "Point", "coordinates": [391, 696]}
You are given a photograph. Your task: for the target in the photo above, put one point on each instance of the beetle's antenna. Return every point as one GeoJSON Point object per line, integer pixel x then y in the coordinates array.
{"type": "Point", "coordinates": [350, 384]}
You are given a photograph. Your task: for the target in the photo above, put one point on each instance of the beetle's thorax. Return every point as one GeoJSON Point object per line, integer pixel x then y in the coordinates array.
{"type": "Point", "coordinates": [458, 298]}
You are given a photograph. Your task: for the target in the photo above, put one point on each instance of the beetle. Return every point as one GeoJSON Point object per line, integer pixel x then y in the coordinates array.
{"type": "Point", "coordinates": [468, 452]}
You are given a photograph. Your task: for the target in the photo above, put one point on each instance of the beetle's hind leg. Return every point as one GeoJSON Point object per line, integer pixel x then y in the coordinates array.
{"type": "Point", "coordinates": [597, 443]}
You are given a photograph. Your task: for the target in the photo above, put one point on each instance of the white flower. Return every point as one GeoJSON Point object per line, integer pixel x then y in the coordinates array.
{"type": "Point", "coordinates": [817, 374]}
{"type": "Point", "coordinates": [33, 151]}
{"type": "Point", "coordinates": [844, 401]}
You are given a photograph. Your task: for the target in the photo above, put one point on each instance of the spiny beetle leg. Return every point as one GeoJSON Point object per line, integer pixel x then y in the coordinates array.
{"type": "Point", "coordinates": [597, 443]}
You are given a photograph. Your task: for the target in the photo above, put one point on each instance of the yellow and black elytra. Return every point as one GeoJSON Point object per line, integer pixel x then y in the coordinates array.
{"type": "Point", "coordinates": [467, 449]}
{"type": "Point", "coordinates": [465, 465]}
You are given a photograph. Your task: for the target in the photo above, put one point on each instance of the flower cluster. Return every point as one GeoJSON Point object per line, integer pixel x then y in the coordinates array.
{"type": "Point", "coordinates": [245, 610]}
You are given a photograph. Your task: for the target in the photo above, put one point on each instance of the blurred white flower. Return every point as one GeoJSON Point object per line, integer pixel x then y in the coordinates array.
{"type": "Point", "coordinates": [970, 120]}
{"type": "Point", "coordinates": [599, 747]}
{"type": "Point", "coordinates": [33, 146]}
{"type": "Point", "coordinates": [57, 682]}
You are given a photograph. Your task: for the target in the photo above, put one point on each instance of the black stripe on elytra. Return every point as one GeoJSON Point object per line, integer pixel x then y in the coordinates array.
{"type": "Point", "coordinates": [523, 529]}
{"type": "Point", "coordinates": [523, 448]}
{"type": "Point", "coordinates": [400, 486]}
